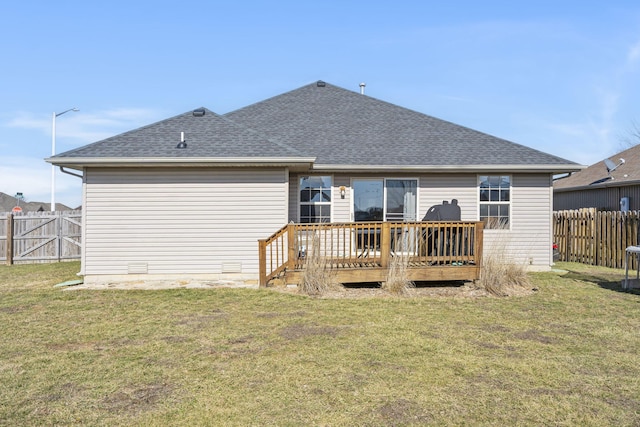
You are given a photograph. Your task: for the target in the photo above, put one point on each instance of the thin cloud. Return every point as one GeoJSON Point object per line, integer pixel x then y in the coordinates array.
{"type": "Point", "coordinates": [633, 55]}
{"type": "Point", "coordinates": [35, 181]}
{"type": "Point", "coordinates": [570, 129]}
{"type": "Point", "coordinates": [35, 176]}
{"type": "Point", "coordinates": [87, 126]}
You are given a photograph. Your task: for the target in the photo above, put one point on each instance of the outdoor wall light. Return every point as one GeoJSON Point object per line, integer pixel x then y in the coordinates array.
{"type": "Point", "coordinates": [343, 191]}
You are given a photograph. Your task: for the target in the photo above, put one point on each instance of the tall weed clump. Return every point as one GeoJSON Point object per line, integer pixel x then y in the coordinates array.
{"type": "Point", "coordinates": [500, 275]}
{"type": "Point", "coordinates": [398, 282]}
{"type": "Point", "coordinates": [317, 275]}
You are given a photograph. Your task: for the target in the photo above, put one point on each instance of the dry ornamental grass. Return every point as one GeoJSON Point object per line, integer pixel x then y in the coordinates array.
{"type": "Point", "coordinates": [318, 278]}
{"type": "Point", "coordinates": [397, 282]}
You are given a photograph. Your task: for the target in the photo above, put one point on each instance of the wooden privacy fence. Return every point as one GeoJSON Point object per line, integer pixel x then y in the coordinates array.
{"type": "Point", "coordinates": [596, 238]}
{"type": "Point", "coordinates": [40, 237]}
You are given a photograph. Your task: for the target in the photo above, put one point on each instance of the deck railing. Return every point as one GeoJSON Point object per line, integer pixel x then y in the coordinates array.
{"type": "Point", "coordinates": [368, 245]}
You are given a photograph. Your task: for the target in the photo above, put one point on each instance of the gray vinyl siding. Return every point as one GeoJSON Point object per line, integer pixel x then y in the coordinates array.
{"type": "Point", "coordinates": [529, 239]}
{"type": "Point", "coordinates": [436, 188]}
{"type": "Point", "coordinates": [341, 207]}
{"type": "Point", "coordinates": [294, 188]}
{"type": "Point", "coordinates": [175, 221]}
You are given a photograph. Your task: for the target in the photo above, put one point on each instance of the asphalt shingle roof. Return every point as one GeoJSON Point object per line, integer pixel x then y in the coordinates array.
{"type": "Point", "coordinates": [336, 126]}
{"type": "Point", "coordinates": [343, 127]}
{"type": "Point", "coordinates": [596, 175]}
{"type": "Point", "coordinates": [209, 135]}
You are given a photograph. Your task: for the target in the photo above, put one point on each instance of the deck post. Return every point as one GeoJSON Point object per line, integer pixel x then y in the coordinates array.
{"type": "Point", "coordinates": [9, 246]}
{"type": "Point", "coordinates": [291, 247]}
{"type": "Point", "coordinates": [479, 244]}
{"type": "Point", "coordinates": [385, 244]}
{"type": "Point", "coordinates": [262, 263]}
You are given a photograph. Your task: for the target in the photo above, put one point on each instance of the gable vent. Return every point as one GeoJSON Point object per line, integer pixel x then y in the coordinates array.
{"type": "Point", "coordinates": [198, 112]}
{"type": "Point", "coordinates": [321, 83]}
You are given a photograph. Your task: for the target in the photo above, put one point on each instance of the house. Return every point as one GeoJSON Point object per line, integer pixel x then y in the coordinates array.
{"type": "Point", "coordinates": [611, 185]}
{"type": "Point", "coordinates": [10, 203]}
{"type": "Point", "coordinates": [190, 196]}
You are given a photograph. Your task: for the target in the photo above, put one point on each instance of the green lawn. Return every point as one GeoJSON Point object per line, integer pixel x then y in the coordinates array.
{"type": "Point", "coordinates": [566, 355]}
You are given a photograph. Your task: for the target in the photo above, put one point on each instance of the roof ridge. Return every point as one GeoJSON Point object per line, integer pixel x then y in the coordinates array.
{"type": "Point", "coordinates": [270, 98]}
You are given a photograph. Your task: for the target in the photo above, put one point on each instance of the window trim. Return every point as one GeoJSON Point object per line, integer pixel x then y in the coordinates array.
{"type": "Point", "coordinates": [496, 203]}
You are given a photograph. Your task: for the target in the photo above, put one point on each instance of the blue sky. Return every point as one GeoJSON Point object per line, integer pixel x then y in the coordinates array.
{"type": "Point", "coordinates": [558, 76]}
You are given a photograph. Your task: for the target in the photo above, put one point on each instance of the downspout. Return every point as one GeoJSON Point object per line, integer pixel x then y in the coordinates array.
{"type": "Point", "coordinates": [82, 253]}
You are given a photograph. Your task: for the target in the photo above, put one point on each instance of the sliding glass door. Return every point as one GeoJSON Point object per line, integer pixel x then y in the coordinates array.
{"type": "Point", "coordinates": [401, 199]}
{"type": "Point", "coordinates": [385, 199]}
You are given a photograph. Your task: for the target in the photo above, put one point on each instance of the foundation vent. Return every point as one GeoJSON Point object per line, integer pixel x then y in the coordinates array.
{"type": "Point", "coordinates": [137, 268]}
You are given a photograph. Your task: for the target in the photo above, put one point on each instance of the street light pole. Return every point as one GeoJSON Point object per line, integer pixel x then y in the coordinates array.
{"type": "Point", "coordinates": [53, 153]}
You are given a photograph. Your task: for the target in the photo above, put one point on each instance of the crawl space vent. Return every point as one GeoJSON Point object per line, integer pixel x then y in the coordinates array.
{"type": "Point", "coordinates": [137, 268]}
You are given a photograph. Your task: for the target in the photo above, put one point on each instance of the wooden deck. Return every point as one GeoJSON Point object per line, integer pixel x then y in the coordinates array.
{"type": "Point", "coordinates": [364, 251]}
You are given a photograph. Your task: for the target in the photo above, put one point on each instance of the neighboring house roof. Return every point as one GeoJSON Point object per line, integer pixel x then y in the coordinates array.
{"type": "Point", "coordinates": [596, 175]}
{"type": "Point", "coordinates": [324, 126]}
{"type": "Point", "coordinates": [8, 202]}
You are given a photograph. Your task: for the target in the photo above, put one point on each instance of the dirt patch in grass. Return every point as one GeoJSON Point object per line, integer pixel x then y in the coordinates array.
{"type": "Point", "coordinates": [175, 339]}
{"type": "Point", "coordinates": [272, 314]}
{"type": "Point", "coordinates": [298, 331]}
{"type": "Point", "coordinates": [403, 412]}
{"type": "Point", "coordinates": [12, 309]}
{"type": "Point", "coordinates": [495, 328]}
{"type": "Point", "coordinates": [137, 399]}
{"type": "Point", "coordinates": [67, 391]}
{"type": "Point", "coordinates": [487, 345]}
{"type": "Point", "coordinates": [533, 335]}
{"type": "Point", "coordinates": [421, 289]}
{"type": "Point", "coordinates": [199, 321]}
{"type": "Point", "coordinates": [241, 340]}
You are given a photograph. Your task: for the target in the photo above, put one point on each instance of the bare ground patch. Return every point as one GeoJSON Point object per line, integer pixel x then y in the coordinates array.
{"type": "Point", "coordinates": [533, 335]}
{"type": "Point", "coordinates": [402, 412]}
{"type": "Point", "coordinates": [298, 331]}
{"type": "Point", "coordinates": [199, 321]}
{"type": "Point", "coordinates": [421, 290]}
{"type": "Point", "coordinates": [137, 399]}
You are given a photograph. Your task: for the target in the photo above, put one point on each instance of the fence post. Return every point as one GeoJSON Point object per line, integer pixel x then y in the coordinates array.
{"type": "Point", "coordinates": [58, 220]}
{"type": "Point", "coordinates": [9, 239]}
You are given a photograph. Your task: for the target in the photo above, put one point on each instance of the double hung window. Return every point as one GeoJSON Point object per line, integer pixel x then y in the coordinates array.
{"type": "Point", "coordinates": [495, 201]}
{"type": "Point", "coordinates": [315, 199]}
